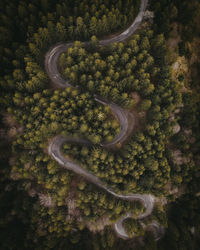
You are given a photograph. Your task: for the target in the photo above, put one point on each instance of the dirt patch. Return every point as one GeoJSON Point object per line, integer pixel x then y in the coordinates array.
{"type": "Point", "coordinates": [175, 38]}
{"type": "Point", "coordinates": [9, 120]}
{"type": "Point", "coordinates": [136, 97]}
{"type": "Point", "coordinates": [99, 224]}
{"type": "Point", "coordinates": [138, 123]}
{"type": "Point", "coordinates": [176, 129]}
{"type": "Point", "coordinates": [70, 200]}
{"type": "Point", "coordinates": [140, 117]}
{"type": "Point", "coordinates": [180, 67]}
{"type": "Point", "coordinates": [175, 191]}
{"type": "Point", "coordinates": [14, 128]}
{"type": "Point", "coordinates": [179, 159]}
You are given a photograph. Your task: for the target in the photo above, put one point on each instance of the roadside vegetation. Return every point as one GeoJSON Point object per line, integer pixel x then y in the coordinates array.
{"type": "Point", "coordinates": [53, 208]}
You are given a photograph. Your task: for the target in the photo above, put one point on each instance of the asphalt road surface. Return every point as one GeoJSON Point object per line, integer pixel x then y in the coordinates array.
{"type": "Point", "coordinates": [126, 121]}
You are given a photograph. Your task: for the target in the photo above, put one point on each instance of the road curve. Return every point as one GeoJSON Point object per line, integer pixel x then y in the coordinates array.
{"type": "Point", "coordinates": [131, 29]}
{"type": "Point", "coordinates": [54, 52]}
{"type": "Point", "coordinates": [54, 150]}
{"type": "Point", "coordinates": [125, 118]}
{"type": "Point", "coordinates": [157, 229]}
{"type": "Point", "coordinates": [147, 200]}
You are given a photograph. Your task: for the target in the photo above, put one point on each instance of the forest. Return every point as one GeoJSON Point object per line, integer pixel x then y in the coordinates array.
{"type": "Point", "coordinates": [44, 206]}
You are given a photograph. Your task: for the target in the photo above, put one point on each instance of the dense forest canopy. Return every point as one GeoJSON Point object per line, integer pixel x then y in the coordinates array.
{"type": "Point", "coordinates": [44, 206]}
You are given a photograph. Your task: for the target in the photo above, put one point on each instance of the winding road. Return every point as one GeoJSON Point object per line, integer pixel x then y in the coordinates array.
{"type": "Point", "coordinates": [125, 118]}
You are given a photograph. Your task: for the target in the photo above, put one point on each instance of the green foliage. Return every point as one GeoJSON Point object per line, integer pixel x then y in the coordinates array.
{"type": "Point", "coordinates": [140, 166]}
{"type": "Point", "coordinates": [133, 227]}
{"type": "Point", "coordinates": [184, 12]}
{"type": "Point", "coordinates": [183, 217]}
{"type": "Point", "coordinates": [63, 204]}
{"type": "Point", "coordinates": [47, 107]}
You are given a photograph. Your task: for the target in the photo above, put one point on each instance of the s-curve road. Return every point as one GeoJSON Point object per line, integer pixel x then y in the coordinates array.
{"type": "Point", "coordinates": [125, 118]}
